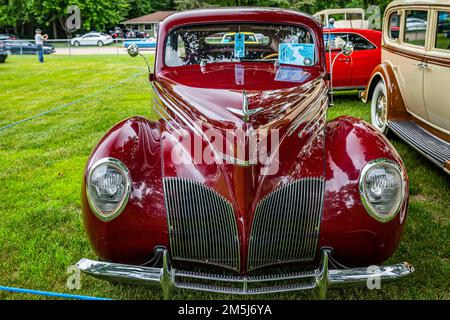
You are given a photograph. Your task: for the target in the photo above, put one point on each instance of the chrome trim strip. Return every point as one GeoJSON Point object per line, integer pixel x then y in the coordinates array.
{"type": "Point", "coordinates": [316, 108]}
{"type": "Point", "coordinates": [168, 278]}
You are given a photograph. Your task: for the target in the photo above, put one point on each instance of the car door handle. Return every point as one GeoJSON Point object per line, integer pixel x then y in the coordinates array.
{"type": "Point", "coordinates": [344, 59]}
{"type": "Point", "coordinates": [423, 65]}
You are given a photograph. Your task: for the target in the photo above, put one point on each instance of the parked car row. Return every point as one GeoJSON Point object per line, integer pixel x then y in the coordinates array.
{"type": "Point", "coordinates": [406, 78]}
{"type": "Point", "coordinates": [408, 89]}
{"type": "Point", "coordinates": [119, 33]}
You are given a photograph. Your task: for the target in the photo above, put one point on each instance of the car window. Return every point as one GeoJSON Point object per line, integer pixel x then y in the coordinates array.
{"type": "Point", "coordinates": [443, 30]}
{"type": "Point", "coordinates": [394, 26]}
{"type": "Point", "coordinates": [338, 41]}
{"type": "Point", "coordinates": [216, 43]}
{"type": "Point", "coordinates": [416, 27]}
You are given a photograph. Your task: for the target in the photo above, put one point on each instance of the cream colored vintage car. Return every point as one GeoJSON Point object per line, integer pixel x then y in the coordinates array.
{"type": "Point", "coordinates": [344, 18]}
{"type": "Point", "coordinates": [410, 89]}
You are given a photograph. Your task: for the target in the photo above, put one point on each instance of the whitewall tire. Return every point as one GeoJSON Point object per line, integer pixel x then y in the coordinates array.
{"type": "Point", "coordinates": [378, 108]}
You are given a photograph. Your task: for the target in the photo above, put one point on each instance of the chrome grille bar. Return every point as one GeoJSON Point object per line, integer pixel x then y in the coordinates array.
{"type": "Point", "coordinates": [286, 224]}
{"type": "Point", "coordinates": [202, 226]}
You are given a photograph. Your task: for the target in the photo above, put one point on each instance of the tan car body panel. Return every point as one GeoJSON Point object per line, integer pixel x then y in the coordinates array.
{"type": "Point", "coordinates": [424, 91]}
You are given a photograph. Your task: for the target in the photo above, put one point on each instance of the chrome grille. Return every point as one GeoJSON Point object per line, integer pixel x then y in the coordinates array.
{"type": "Point", "coordinates": [286, 224]}
{"type": "Point", "coordinates": [202, 226]}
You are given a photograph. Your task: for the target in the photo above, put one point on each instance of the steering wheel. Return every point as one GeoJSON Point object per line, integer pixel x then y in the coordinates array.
{"type": "Point", "coordinates": [271, 56]}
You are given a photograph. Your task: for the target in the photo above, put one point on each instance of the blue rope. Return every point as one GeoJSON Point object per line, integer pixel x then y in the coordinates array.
{"type": "Point", "coordinates": [50, 294]}
{"type": "Point", "coordinates": [70, 103]}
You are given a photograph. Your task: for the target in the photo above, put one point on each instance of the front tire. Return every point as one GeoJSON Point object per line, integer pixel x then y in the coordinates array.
{"type": "Point", "coordinates": [100, 43]}
{"type": "Point", "coordinates": [379, 106]}
{"type": "Point", "coordinates": [76, 44]}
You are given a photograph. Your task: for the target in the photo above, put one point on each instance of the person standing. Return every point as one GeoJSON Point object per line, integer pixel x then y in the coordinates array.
{"type": "Point", "coordinates": [39, 40]}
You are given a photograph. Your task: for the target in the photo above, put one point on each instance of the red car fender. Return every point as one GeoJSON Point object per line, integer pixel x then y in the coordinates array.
{"type": "Point", "coordinates": [356, 237]}
{"type": "Point", "coordinates": [131, 237]}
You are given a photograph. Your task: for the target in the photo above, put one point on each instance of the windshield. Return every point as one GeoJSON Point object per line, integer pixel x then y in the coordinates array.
{"type": "Point", "coordinates": [240, 42]}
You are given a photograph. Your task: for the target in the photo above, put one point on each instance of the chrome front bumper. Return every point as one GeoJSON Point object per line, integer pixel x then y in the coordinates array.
{"type": "Point", "coordinates": [319, 280]}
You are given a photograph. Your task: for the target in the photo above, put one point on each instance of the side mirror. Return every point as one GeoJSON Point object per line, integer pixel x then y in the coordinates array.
{"type": "Point", "coordinates": [348, 49]}
{"type": "Point", "coordinates": [133, 50]}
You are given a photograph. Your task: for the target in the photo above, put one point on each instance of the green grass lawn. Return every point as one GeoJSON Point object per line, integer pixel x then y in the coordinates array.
{"type": "Point", "coordinates": [42, 162]}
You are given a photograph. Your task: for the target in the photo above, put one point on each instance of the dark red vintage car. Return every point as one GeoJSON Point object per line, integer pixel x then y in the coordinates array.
{"type": "Point", "coordinates": [242, 186]}
{"type": "Point", "coordinates": [352, 72]}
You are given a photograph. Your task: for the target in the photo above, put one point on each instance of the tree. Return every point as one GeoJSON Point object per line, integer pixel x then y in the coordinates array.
{"type": "Point", "coordinates": [95, 14]}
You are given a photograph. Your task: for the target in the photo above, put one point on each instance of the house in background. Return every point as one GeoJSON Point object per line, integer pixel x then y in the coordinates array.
{"type": "Point", "coordinates": [148, 23]}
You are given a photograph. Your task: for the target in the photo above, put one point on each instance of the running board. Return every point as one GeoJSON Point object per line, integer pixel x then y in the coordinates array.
{"type": "Point", "coordinates": [435, 149]}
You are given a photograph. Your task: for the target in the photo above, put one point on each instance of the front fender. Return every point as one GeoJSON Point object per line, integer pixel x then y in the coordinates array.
{"type": "Point", "coordinates": [131, 237]}
{"type": "Point", "coordinates": [395, 103]}
{"type": "Point", "coordinates": [356, 237]}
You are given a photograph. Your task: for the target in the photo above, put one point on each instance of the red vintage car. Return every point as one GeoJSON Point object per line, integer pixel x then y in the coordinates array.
{"type": "Point", "coordinates": [242, 186]}
{"type": "Point", "coordinates": [352, 72]}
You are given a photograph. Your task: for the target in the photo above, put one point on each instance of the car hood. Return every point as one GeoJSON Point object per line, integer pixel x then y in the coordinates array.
{"type": "Point", "coordinates": [214, 98]}
{"type": "Point", "coordinates": [217, 93]}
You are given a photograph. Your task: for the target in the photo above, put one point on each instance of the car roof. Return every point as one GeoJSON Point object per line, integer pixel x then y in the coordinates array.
{"type": "Point", "coordinates": [236, 14]}
{"type": "Point", "coordinates": [343, 10]}
{"type": "Point", "coordinates": [397, 3]}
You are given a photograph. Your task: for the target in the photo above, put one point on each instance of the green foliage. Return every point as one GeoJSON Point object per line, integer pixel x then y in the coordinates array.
{"type": "Point", "coordinates": [100, 14]}
{"type": "Point", "coordinates": [95, 14]}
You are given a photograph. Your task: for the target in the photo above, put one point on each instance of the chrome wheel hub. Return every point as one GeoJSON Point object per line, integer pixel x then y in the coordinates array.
{"type": "Point", "coordinates": [380, 111]}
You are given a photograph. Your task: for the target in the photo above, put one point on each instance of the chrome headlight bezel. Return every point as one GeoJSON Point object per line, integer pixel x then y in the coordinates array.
{"type": "Point", "coordinates": [371, 210]}
{"type": "Point", "coordinates": [123, 170]}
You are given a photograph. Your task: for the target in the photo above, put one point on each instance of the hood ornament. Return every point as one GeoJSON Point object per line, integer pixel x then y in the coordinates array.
{"type": "Point", "coordinates": [245, 113]}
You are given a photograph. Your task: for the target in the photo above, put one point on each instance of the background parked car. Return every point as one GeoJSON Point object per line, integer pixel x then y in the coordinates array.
{"type": "Point", "coordinates": [416, 24]}
{"type": "Point", "coordinates": [119, 33]}
{"type": "Point", "coordinates": [353, 72]}
{"type": "Point", "coordinates": [26, 47]}
{"type": "Point", "coordinates": [149, 43]}
{"type": "Point", "coordinates": [7, 37]}
{"type": "Point", "coordinates": [92, 39]}
{"type": "Point", "coordinates": [140, 34]}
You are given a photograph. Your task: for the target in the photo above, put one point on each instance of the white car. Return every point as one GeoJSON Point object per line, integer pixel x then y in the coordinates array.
{"type": "Point", "coordinates": [92, 39]}
{"type": "Point", "coordinates": [413, 24]}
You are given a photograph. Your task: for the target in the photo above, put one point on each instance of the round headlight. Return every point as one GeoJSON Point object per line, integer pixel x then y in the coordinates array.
{"type": "Point", "coordinates": [382, 187]}
{"type": "Point", "coordinates": [108, 188]}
